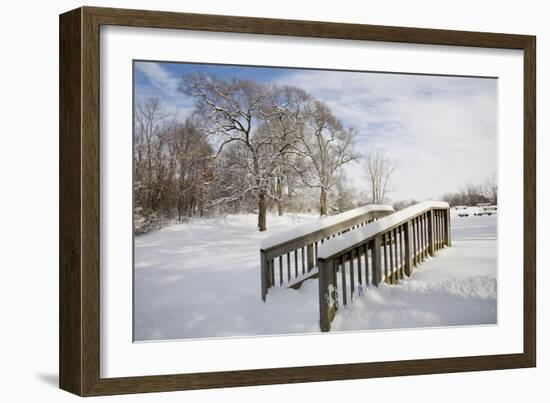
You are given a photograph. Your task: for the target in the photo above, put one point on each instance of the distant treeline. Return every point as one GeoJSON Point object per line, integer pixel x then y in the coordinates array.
{"type": "Point", "coordinates": [473, 194]}
{"type": "Point", "coordinates": [469, 195]}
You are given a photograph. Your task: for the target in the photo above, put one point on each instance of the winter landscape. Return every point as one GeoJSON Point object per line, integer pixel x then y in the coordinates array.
{"type": "Point", "coordinates": [229, 160]}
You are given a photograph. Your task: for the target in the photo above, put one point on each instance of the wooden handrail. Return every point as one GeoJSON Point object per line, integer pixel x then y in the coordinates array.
{"type": "Point", "coordinates": [386, 250]}
{"type": "Point", "coordinates": [295, 251]}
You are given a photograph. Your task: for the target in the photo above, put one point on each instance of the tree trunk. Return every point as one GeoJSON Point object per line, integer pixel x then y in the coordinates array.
{"type": "Point", "coordinates": [279, 196]}
{"type": "Point", "coordinates": [323, 202]}
{"type": "Point", "coordinates": [262, 212]}
{"type": "Point", "coordinates": [180, 208]}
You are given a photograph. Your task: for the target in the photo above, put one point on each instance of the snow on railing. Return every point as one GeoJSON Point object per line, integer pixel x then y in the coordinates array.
{"type": "Point", "coordinates": [384, 250]}
{"type": "Point", "coordinates": [322, 223]}
{"type": "Point", "coordinates": [288, 258]}
{"type": "Point", "coordinates": [349, 239]}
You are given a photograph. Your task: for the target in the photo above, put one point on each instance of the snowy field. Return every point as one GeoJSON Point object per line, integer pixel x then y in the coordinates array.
{"type": "Point", "coordinates": [201, 279]}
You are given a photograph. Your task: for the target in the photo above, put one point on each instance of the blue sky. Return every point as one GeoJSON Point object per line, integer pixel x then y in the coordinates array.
{"type": "Point", "coordinates": [442, 130]}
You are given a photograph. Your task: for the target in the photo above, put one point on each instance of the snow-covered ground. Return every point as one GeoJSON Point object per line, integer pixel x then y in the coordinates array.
{"type": "Point", "coordinates": [201, 279]}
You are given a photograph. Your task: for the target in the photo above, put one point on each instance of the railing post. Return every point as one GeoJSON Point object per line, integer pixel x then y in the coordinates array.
{"type": "Point", "coordinates": [309, 255]}
{"type": "Point", "coordinates": [264, 274]}
{"type": "Point", "coordinates": [418, 241]}
{"type": "Point", "coordinates": [431, 221]}
{"type": "Point", "coordinates": [327, 293]}
{"type": "Point", "coordinates": [408, 248]}
{"type": "Point", "coordinates": [376, 261]}
{"type": "Point", "coordinates": [448, 227]}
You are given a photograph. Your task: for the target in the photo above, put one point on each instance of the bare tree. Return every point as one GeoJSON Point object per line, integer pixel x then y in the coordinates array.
{"type": "Point", "coordinates": [379, 171]}
{"type": "Point", "coordinates": [323, 147]}
{"type": "Point", "coordinates": [235, 112]}
{"type": "Point", "coordinates": [345, 195]}
{"type": "Point", "coordinates": [173, 165]}
{"type": "Point", "coordinates": [152, 172]}
{"type": "Point", "coordinates": [491, 189]}
{"type": "Point", "coordinates": [193, 158]}
{"type": "Point", "coordinates": [282, 121]}
{"type": "Point", "coordinates": [474, 193]}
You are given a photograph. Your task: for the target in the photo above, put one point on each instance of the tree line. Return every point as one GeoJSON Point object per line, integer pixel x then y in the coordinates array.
{"type": "Point", "coordinates": [473, 194]}
{"type": "Point", "coordinates": [247, 147]}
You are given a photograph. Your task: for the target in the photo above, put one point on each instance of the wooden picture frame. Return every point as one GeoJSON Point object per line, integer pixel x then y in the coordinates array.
{"type": "Point", "coordinates": [79, 346]}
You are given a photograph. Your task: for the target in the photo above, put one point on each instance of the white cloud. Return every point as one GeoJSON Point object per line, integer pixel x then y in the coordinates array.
{"type": "Point", "coordinates": [164, 85]}
{"type": "Point", "coordinates": [159, 77]}
{"type": "Point", "coordinates": [441, 130]}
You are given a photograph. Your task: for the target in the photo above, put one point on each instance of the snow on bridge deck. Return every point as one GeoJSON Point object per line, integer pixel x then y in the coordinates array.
{"type": "Point", "coordinates": [184, 290]}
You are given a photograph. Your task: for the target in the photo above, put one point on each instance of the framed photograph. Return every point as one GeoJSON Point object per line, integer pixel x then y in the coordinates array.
{"type": "Point", "coordinates": [249, 201]}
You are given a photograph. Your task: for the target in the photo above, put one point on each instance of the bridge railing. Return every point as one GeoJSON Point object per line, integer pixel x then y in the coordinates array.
{"type": "Point", "coordinates": [289, 258]}
{"type": "Point", "coordinates": [385, 250]}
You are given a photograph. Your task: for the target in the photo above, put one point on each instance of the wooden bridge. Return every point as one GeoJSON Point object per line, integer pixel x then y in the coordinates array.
{"type": "Point", "coordinates": [354, 250]}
